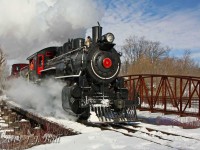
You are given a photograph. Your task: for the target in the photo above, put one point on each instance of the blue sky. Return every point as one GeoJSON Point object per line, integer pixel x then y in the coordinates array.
{"type": "Point", "coordinates": [175, 23]}
{"type": "Point", "coordinates": [176, 4]}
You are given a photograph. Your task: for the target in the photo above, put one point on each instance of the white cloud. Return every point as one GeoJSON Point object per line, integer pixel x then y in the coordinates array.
{"type": "Point", "coordinates": [29, 25]}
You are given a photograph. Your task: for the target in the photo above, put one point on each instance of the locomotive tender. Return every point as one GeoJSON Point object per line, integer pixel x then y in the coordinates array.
{"type": "Point", "coordinates": [93, 89]}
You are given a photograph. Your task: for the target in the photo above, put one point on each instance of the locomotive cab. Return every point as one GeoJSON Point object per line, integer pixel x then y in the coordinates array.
{"type": "Point", "coordinates": [38, 61]}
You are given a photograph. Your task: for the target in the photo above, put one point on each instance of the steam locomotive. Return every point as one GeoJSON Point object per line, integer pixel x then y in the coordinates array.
{"type": "Point", "coordinates": [93, 90]}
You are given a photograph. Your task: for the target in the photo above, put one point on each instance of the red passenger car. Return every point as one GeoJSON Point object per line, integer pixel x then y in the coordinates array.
{"type": "Point", "coordinates": [15, 72]}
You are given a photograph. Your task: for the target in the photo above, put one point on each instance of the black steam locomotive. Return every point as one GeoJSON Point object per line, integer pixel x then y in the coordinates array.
{"type": "Point", "coordinates": [90, 70]}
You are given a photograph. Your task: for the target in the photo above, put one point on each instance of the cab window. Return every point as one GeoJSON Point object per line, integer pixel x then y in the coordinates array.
{"type": "Point", "coordinates": [40, 61]}
{"type": "Point", "coordinates": [31, 66]}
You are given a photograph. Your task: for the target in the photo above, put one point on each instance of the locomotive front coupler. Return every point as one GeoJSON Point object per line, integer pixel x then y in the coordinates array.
{"type": "Point", "coordinates": [119, 104]}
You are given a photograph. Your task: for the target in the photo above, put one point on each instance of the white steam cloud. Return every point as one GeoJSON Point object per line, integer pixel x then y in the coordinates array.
{"type": "Point", "coordinates": [27, 26]}
{"type": "Point", "coordinates": [44, 99]}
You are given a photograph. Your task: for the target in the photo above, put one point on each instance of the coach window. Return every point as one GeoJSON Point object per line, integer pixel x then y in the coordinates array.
{"type": "Point", "coordinates": [17, 68]}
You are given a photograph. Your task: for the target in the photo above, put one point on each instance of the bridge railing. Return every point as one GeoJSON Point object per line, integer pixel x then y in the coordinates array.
{"type": "Point", "coordinates": [166, 93]}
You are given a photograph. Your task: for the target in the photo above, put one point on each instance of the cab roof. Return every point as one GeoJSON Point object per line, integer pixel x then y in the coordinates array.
{"type": "Point", "coordinates": [19, 64]}
{"type": "Point", "coordinates": [42, 50]}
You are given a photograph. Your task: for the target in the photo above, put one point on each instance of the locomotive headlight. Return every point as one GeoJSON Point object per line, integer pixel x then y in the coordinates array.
{"type": "Point", "coordinates": [110, 37]}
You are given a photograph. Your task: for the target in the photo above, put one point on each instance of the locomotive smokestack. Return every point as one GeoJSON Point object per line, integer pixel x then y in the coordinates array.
{"type": "Point", "coordinates": [96, 33]}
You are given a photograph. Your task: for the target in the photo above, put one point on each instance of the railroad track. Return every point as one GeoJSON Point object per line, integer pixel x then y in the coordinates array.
{"type": "Point", "coordinates": [167, 133]}
{"type": "Point", "coordinates": [125, 131]}
{"type": "Point", "coordinates": [22, 129]}
{"type": "Point", "coordinates": [164, 139]}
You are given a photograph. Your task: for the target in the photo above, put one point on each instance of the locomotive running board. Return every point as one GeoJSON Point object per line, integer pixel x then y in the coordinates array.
{"type": "Point", "coordinates": [100, 114]}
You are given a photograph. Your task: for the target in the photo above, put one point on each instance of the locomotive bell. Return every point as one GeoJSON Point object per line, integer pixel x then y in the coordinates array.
{"type": "Point", "coordinates": [96, 33]}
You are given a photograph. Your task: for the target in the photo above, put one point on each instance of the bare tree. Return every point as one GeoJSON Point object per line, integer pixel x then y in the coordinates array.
{"type": "Point", "coordinates": [145, 56]}
{"type": "Point", "coordinates": [137, 51]}
{"type": "Point", "coordinates": [188, 65]}
{"type": "Point", "coordinates": [136, 48]}
{"type": "Point", "coordinates": [129, 50]}
{"type": "Point", "coordinates": [2, 58]}
{"type": "Point", "coordinates": [3, 74]}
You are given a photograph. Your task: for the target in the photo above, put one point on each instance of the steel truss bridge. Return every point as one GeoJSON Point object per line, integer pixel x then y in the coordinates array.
{"type": "Point", "coordinates": [169, 94]}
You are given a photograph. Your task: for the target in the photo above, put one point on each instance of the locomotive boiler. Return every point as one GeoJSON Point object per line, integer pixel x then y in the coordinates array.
{"type": "Point", "coordinates": [90, 72]}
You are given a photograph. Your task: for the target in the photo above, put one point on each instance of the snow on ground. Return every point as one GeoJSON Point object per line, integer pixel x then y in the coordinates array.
{"type": "Point", "coordinates": [101, 140]}
{"type": "Point", "coordinates": [94, 138]}
{"type": "Point", "coordinates": [107, 140]}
